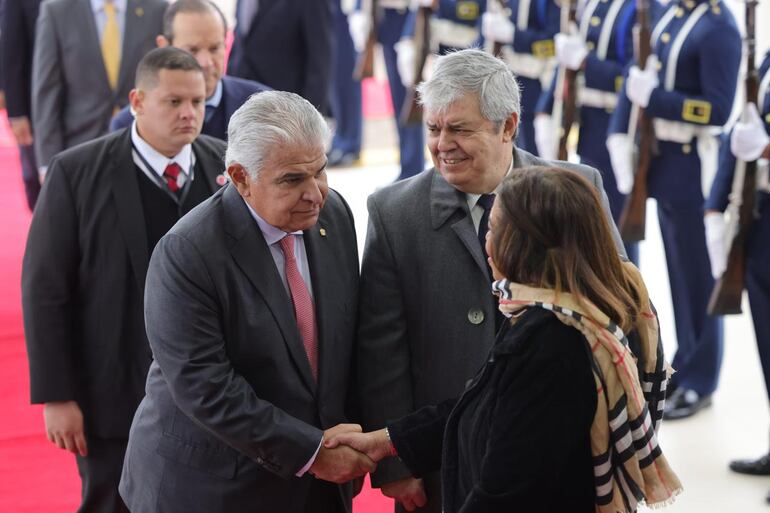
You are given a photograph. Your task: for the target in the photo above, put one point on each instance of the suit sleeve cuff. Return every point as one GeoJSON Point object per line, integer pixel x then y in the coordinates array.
{"type": "Point", "coordinates": [310, 462]}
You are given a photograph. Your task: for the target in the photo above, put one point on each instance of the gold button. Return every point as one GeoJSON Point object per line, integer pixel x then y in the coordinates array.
{"type": "Point", "coordinates": [679, 12]}
{"type": "Point", "coordinates": [590, 45]}
{"type": "Point", "coordinates": [665, 37]}
{"type": "Point", "coordinates": [686, 149]}
{"type": "Point", "coordinates": [658, 66]}
{"type": "Point", "coordinates": [690, 4]}
{"type": "Point", "coordinates": [716, 10]}
{"type": "Point", "coordinates": [767, 118]}
{"type": "Point", "coordinates": [595, 21]}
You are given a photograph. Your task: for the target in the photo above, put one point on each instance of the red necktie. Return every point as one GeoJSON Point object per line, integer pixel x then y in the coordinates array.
{"type": "Point", "coordinates": [171, 173]}
{"type": "Point", "coordinates": [304, 310]}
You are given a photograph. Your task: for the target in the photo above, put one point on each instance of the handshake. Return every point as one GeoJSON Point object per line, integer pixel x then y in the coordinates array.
{"type": "Point", "coordinates": [347, 453]}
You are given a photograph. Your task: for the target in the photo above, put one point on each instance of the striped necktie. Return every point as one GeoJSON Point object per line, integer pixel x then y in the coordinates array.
{"type": "Point", "coordinates": [111, 44]}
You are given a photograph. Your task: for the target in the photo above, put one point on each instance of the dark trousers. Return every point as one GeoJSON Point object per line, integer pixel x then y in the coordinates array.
{"type": "Point", "coordinates": [345, 92]}
{"type": "Point", "coordinates": [324, 497]}
{"type": "Point", "coordinates": [411, 143]}
{"type": "Point", "coordinates": [698, 356]}
{"type": "Point", "coordinates": [100, 474]}
{"type": "Point", "coordinates": [29, 174]}
{"type": "Point", "coordinates": [758, 283]}
{"type": "Point", "coordinates": [530, 93]}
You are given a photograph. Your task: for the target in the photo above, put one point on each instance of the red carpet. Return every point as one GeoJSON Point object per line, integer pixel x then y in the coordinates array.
{"type": "Point", "coordinates": [35, 476]}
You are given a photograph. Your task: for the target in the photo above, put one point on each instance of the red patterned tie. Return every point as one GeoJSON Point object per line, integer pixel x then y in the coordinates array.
{"type": "Point", "coordinates": [303, 303]}
{"type": "Point", "coordinates": [171, 173]}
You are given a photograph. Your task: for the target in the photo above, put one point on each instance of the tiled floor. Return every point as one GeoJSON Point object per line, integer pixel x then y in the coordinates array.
{"type": "Point", "coordinates": [699, 449]}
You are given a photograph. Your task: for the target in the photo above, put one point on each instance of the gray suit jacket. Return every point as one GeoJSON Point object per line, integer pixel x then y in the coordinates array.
{"type": "Point", "coordinates": [232, 412]}
{"type": "Point", "coordinates": [71, 97]}
{"type": "Point", "coordinates": [426, 315]}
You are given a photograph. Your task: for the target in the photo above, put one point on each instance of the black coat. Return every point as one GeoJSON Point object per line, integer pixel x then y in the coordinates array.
{"type": "Point", "coordinates": [518, 438]}
{"type": "Point", "coordinates": [83, 280]}
{"type": "Point", "coordinates": [18, 39]}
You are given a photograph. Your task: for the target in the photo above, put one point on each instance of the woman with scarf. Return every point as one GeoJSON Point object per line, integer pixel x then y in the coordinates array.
{"type": "Point", "coordinates": [562, 416]}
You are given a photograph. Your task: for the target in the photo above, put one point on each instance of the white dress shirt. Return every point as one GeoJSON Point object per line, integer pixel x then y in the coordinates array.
{"type": "Point", "coordinates": [157, 161]}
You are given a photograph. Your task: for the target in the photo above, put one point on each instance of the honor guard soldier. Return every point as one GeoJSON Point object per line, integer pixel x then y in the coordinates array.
{"type": "Point", "coordinates": [391, 17]}
{"type": "Point", "coordinates": [526, 29]}
{"type": "Point", "coordinates": [453, 26]}
{"type": "Point", "coordinates": [600, 51]}
{"type": "Point", "coordinates": [749, 141]}
{"type": "Point", "coordinates": [687, 87]}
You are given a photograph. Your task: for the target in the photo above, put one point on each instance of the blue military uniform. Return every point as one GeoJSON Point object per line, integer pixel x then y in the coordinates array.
{"type": "Point", "coordinates": [531, 57]}
{"type": "Point", "coordinates": [345, 92]}
{"type": "Point", "coordinates": [453, 26]}
{"type": "Point", "coordinates": [758, 243]}
{"type": "Point", "coordinates": [606, 26]}
{"type": "Point", "coordinates": [699, 48]}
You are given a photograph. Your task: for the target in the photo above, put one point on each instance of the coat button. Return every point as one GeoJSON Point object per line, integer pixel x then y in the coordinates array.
{"type": "Point", "coordinates": [686, 149]}
{"type": "Point", "coordinates": [475, 316]}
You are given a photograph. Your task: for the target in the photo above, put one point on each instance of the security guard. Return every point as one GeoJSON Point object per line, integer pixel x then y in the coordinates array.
{"type": "Point", "coordinates": [749, 141]}
{"type": "Point", "coordinates": [687, 88]}
{"type": "Point", "coordinates": [391, 19]}
{"type": "Point", "coordinates": [526, 28]}
{"type": "Point", "coordinates": [600, 48]}
{"type": "Point", "coordinates": [345, 92]}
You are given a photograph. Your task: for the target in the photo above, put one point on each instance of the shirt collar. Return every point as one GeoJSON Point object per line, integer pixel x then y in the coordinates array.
{"type": "Point", "coordinates": [270, 232]}
{"type": "Point", "coordinates": [98, 5]}
{"type": "Point", "coordinates": [473, 199]}
{"type": "Point", "coordinates": [158, 161]}
{"type": "Point", "coordinates": [216, 97]}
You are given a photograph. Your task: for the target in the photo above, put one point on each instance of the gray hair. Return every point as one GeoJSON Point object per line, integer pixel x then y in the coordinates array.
{"type": "Point", "coordinates": [268, 121]}
{"type": "Point", "coordinates": [472, 71]}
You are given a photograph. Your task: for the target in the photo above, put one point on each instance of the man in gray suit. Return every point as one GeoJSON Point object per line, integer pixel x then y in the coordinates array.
{"type": "Point", "coordinates": [85, 57]}
{"type": "Point", "coordinates": [250, 310]}
{"type": "Point", "coordinates": [427, 316]}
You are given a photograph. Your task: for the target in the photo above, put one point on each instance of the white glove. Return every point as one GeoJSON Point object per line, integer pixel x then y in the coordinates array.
{"type": "Point", "coordinates": [496, 26]}
{"type": "Point", "coordinates": [424, 3]}
{"type": "Point", "coordinates": [405, 61]}
{"type": "Point", "coordinates": [715, 242]}
{"type": "Point", "coordinates": [621, 149]}
{"type": "Point", "coordinates": [545, 136]}
{"type": "Point", "coordinates": [640, 83]}
{"type": "Point", "coordinates": [749, 138]}
{"type": "Point", "coordinates": [359, 25]}
{"type": "Point", "coordinates": [571, 50]}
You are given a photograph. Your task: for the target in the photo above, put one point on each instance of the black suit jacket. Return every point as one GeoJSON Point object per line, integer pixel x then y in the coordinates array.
{"type": "Point", "coordinates": [232, 412]}
{"type": "Point", "coordinates": [288, 47]}
{"type": "Point", "coordinates": [83, 281]}
{"type": "Point", "coordinates": [18, 41]}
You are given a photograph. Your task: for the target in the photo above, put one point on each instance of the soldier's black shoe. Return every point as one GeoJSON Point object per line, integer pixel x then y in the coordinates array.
{"type": "Point", "coordinates": [339, 158]}
{"type": "Point", "coordinates": [685, 403]}
{"type": "Point", "coordinates": [757, 467]}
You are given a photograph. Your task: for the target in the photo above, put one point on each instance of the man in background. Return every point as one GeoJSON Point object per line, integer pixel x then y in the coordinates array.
{"type": "Point", "coordinates": [102, 209]}
{"type": "Point", "coordinates": [86, 52]}
{"type": "Point", "coordinates": [199, 27]}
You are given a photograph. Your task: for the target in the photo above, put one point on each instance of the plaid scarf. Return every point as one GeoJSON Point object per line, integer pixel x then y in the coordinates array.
{"type": "Point", "coordinates": [629, 466]}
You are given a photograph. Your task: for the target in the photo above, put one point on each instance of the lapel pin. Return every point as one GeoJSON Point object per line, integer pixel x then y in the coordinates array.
{"type": "Point", "coordinates": [322, 231]}
{"type": "Point", "coordinates": [139, 11]}
{"type": "Point", "coordinates": [221, 179]}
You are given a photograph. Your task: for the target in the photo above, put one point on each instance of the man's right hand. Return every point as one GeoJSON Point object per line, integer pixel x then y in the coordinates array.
{"type": "Point", "coordinates": [410, 492]}
{"type": "Point", "coordinates": [22, 130]}
{"type": "Point", "coordinates": [64, 426]}
{"type": "Point", "coordinates": [340, 464]}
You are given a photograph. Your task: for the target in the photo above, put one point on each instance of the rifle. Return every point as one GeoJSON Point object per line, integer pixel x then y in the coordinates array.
{"type": "Point", "coordinates": [566, 109]}
{"type": "Point", "coordinates": [728, 290]}
{"type": "Point", "coordinates": [365, 61]}
{"type": "Point", "coordinates": [497, 46]}
{"type": "Point", "coordinates": [411, 111]}
{"type": "Point", "coordinates": [633, 218]}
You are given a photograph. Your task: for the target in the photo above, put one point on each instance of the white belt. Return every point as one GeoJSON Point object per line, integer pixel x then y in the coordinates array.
{"type": "Point", "coordinates": [707, 145]}
{"type": "Point", "coordinates": [589, 97]}
{"type": "Point", "coordinates": [449, 33]}
{"type": "Point", "coordinates": [526, 64]}
{"type": "Point", "coordinates": [394, 4]}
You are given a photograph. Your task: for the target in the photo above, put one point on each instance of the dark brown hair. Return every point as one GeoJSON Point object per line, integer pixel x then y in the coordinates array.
{"type": "Point", "coordinates": [169, 58]}
{"type": "Point", "coordinates": [551, 232]}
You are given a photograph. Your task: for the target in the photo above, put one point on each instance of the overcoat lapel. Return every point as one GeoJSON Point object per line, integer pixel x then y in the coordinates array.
{"type": "Point", "coordinates": [128, 203]}
{"type": "Point", "coordinates": [447, 204]}
{"type": "Point", "coordinates": [252, 255]}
